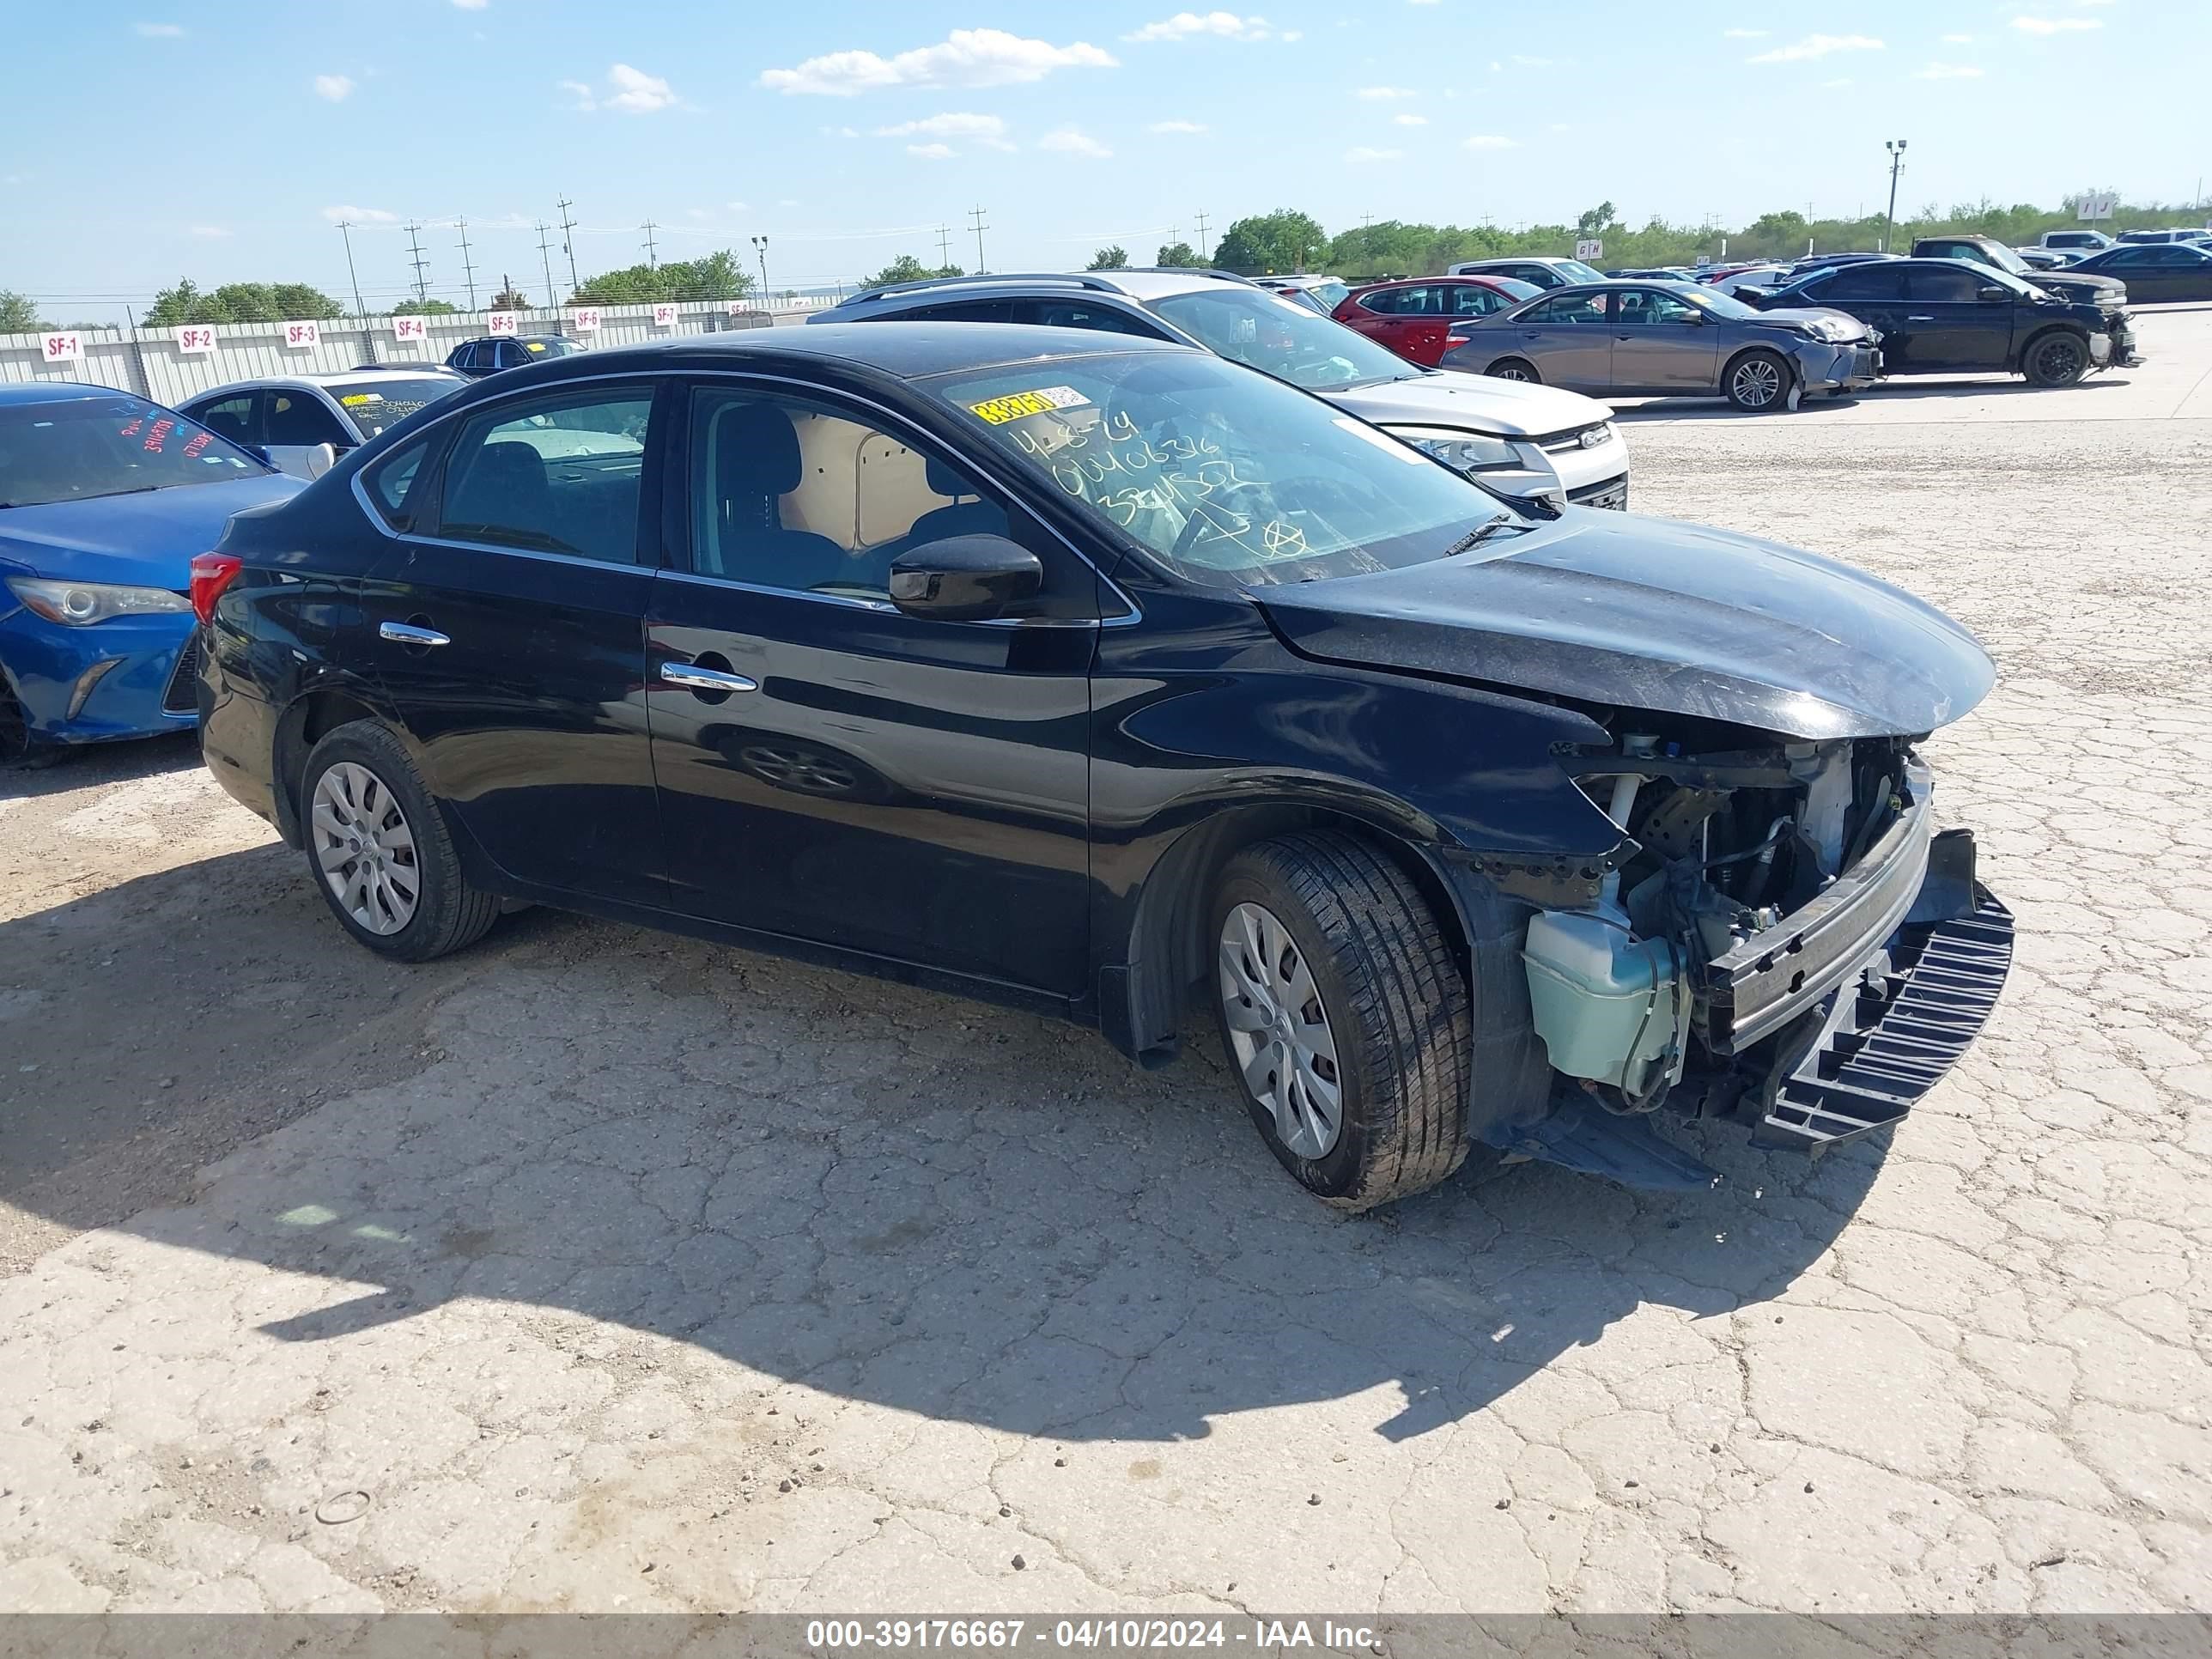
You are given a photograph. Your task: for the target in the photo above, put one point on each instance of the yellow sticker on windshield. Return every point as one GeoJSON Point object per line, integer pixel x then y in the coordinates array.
{"type": "Point", "coordinates": [533, 345]}
{"type": "Point", "coordinates": [1042, 401]}
{"type": "Point", "coordinates": [354, 399]}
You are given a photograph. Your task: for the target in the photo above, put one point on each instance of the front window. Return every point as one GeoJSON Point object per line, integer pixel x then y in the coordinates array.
{"type": "Point", "coordinates": [390, 402]}
{"type": "Point", "coordinates": [559, 474]}
{"type": "Point", "coordinates": [1277, 337]}
{"type": "Point", "coordinates": [111, 445]}
{"type": "Point", "coordinates": [1714, 303]}
{"type": "Point", "coordinates": [1229, 478]}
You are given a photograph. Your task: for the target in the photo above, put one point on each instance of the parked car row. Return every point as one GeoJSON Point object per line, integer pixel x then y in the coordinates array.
{"type": "Point", "coordinates": [1086, 666]}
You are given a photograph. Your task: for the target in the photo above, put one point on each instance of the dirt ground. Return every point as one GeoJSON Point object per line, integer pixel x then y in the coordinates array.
{"type": "Point", "coordinates": [598, 1269]}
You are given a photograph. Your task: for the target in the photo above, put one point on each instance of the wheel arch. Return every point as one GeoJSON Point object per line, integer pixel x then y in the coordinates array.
{"type": "Point", "coordinates": [306, 720]}
{"type": "Point", "coordinates": [1760, 347]}
{"type": "Point", "coordinates": [2028, 346]}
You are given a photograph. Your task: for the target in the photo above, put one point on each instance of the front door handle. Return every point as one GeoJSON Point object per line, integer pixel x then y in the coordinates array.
{"type": "Point", "coordinates": [695, 678]}
{"type": "Point", "coordinates": [1919, 319]}
{"type": "Point", "coordinates": [408, 634]}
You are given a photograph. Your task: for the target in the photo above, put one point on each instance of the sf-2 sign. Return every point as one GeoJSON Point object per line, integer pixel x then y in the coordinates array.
{"type": "Point", "coordinates": [196, 338]}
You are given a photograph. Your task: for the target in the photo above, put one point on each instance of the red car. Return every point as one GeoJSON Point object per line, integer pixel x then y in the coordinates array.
{"type": "Point", "coordinates": [1414, 318]}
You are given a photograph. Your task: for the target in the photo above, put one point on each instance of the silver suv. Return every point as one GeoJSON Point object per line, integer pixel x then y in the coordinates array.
{"type": "Point", "coordinates": [1521, 439]}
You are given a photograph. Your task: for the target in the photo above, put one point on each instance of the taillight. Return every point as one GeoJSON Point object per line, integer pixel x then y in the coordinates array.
{"type": "Point", "coordinates": [211, 574]}
{"type": "Point", "coordinates": [1454, 340]}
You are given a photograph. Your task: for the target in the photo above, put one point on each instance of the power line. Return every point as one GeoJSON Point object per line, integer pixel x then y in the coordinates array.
{"type": "Point", "coordinates": [977, 214]}
{"type": "Point", "coordinates": [468, 271]}
{"type": "Point", "coordinates": [943, 246]}
{"type": "Point", "coordinates": [545, 259]}
{"type": "Point", "coordinates": [422, 265]}
{"type": "Point", "coordinates": [569, 243]}
{"type": "Point", "coordinates": [1204, 252]}
{"type": "Point", "coordinates": [652, 252]}
{"type": "Point", "coordinates": [345, 230]}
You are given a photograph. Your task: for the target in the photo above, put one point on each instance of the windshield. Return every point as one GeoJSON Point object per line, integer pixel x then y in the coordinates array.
{"type": "Point", "coordinates": [1331, 293]}
{"type": "Point", "coordinates": [1576, 272]}
{"type": "Point", "coordinates": [1280, 337]}
{"type": "Point", "coordinates": [113, 445]}
{"type": "Point", "coordinates": [390, 402]}
{"type": "Point", "coordinates": [1231, 479]}
{"type": "Point", "coordinates": [2002, 258]}
{"type": "Point", "coordinates": [1712, 302]}
{"type": "Point", "coordinates": [549, 346]}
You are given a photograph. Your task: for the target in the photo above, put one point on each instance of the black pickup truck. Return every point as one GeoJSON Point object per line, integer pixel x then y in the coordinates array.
{"type": "Point", "coordinates": [1988, 251]}
{"type": "Point", "coordinates": [1948, 316]}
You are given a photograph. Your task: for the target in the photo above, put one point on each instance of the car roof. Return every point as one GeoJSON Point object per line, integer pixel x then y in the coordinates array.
{"type": "Point", "coordinates": [337, 380]}
{"type": "Point", "coordinates": [476, 339]}
{"type": "Point", "coordinates": [1140, 284]}
{"type": "Point", "coordinates": [887, 349]}
{"type": "Point", "coordinates": [23, 392]}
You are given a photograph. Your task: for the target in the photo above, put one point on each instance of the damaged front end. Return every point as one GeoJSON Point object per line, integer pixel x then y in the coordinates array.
{"type": "Point", "coordinates": [1781, 939]}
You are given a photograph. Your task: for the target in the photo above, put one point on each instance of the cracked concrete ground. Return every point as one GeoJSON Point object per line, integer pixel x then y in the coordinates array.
{"type": "Point", "coordinates": [595, 1269]}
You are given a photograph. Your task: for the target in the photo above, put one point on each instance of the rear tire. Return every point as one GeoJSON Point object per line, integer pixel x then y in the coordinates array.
{"type": "Point", "coordinates": [2058, 358]}
{"type": "Point", "coordinates": [1515, 369]}
{"type": "Point", "coordinates": [378, 850]}
{"type": "Point", "coordinates": [1757, 382]}
{"type": "Point", "coordinates": [1352, 1041]}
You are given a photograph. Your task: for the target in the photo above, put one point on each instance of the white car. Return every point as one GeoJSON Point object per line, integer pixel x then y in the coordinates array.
{"type": "Point", "coordinates": [302, 423]}
{"type": "Point", "coordinates": [1757, 276]}
{"type": "Point", "coordinates": [1522, 440]}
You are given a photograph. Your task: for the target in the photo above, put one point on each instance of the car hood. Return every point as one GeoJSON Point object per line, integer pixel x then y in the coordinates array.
{"type": "Point", "coordinates": [1475, 402]}
{"type": "Point", "coordinates": [147, 540]}
{"type": "Point", "coordinates": [2083, 285]}
{"type": "Point", "coordinates": [1789, 316]}
{"type": "Point", "coordinates": [1617, 610]}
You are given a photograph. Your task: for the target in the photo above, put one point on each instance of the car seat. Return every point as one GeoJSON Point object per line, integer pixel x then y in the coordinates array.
{"type": "Point", "coordinates": [967, 514]}
{"type": "Point", "coordinates": [504, 488]}
{"type": "Point", "coordinates": [757, 464]}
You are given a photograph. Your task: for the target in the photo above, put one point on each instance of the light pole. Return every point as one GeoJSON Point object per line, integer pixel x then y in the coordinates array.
{"type": "Point", "coordinates": [1896, 149]}
{"type": "Point", "coordinates": [760, 248]}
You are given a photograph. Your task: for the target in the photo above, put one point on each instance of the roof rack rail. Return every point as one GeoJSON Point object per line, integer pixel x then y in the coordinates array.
{"type": "Point", "coordinates": [983, 279]}
{"type": "Point", "coordinates": [1192, 270]}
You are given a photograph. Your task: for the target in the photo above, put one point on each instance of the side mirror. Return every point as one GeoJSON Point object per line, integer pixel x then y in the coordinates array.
{"type": "Point", "coordinates": [1994, 292]}
{"type": "Point", "coordinates": [965, 579]}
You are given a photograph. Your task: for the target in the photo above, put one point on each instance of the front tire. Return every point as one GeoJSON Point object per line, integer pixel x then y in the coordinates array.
{"type": "Point", "coordinates": [380, 852]}
{"type": "Point", "coordinates": [1757, 381]}
{"type": "Point", "coordinates": [1344, 1015]}
{"type": "Point", "coordinates": [20, 749]}
{"type": "Point", "coordinates": [2058, 358]}
{"type": "Point", "coordinates": [1515, 368]}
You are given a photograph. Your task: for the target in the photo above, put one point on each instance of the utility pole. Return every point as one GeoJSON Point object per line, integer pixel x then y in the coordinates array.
{"type": "Point", "coordinates": [468, 271]}
{"type": "Point", "coordinates": [545, 259]}
{"type": "Point", "coordinates": [422, 265]}
{"type": "Point", "coordinates": [760, 250]}
{"type": "Point", "coordinates": [345, 230]}
{"type": "Point", "coordinates": [1204, 251]}
{"type": "Point", "coordinates": [943, 246]}
{"type": "Point", "coordinates": [569, 243]}
{"type": "Point", "coordinates": [652, 253]}
{"type": "Point", "coordinates": [1896, 149]}
{"type": "Point", "coordinates": [975, 214]}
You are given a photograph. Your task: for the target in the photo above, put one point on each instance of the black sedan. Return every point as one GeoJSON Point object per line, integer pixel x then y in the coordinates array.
{"type": "Point", "coordinates": [2154, 272]}
{"type": "Point", "coordinates": [1092, 674]}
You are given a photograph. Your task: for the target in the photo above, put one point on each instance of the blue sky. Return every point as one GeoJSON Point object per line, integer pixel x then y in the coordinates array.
{"type": "Point", "coordinates": [165, 139]}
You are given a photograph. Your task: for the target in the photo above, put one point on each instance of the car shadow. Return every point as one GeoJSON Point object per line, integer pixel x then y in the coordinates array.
{"type": "Point", "coordinates": [1898, 391]}
{"type": "Point", "coordinates": [887, 1194]}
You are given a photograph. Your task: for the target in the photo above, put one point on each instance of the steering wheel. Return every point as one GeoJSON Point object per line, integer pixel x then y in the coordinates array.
{"type": "Point", "coordinates": [1198, 521]}
{"type": "Point", "coordinates": [1336, 369]}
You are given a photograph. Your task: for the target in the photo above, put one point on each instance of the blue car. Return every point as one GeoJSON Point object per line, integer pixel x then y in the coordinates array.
{"type": "Point", "coordinates": [104, 498]}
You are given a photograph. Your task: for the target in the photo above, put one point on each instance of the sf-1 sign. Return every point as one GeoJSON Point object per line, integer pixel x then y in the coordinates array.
{"type": "Point", "coordinates": [67, 347]}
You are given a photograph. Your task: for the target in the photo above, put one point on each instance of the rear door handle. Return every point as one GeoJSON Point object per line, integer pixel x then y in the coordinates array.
{"type": "Point", "coordinates": [695, 678]}
{"type": "Point", "coordinates": [1919, 319]}
{"type": "Point", "coordinates": [408, 634]}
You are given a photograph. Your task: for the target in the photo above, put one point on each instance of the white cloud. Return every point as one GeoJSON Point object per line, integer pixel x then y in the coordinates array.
{"type": "Point", "coordinates": [209, 232]}
{"type": "Point", "coordinates": [1071, 142]}
{"type": "Point", "coordinates": [1177, 126]}
{"type": "Point", "coordinates": [1743, 35]}
{"type": "Point", "coordinates": [2056, 25]}
{"type": "Point", "coordinates": [1388, 93]}
{"type": "Point", "coordinates": [966, 57]}
{"type": "Point", "coordinates": [637, 93]}
{"type": "Point", "coordinates": [697, 213]}
{"type": "Point", "coordinates": [1947, 72]}
{"type": "Point", "coordinates": [333, 87]}
{"type": "Point", "coordinates": [1364, 153]}
{"type": "Point", "coordinates": [736, 207]}
{"type": "Point", "coordinates": [932, 152]}
{"type": "Point", "coordinates": [1409, 120]}
{"type": "Point", "coordinates": [160, 31]}
{"type": "Point", "coordinates": [1531, 63]}
{"type": "Point", "coordinates": [1223, 25]}
{"type": "Point", "coordinates": [986, 130]}
{"type": "Point", "coordinates": [360, 215]}
{"type": "Point", "coordinates": [582, 93]}
{"type": "Point", "coordinates": [1840, 81]}
{"type": "Point", "coordinates": [472, 5]}
{"type": "Point", "coordinates": [1490, 141]}
{"type": "Point", "coordinates": [1817, 45]}
{"type": "Point", "coordinates": [1958, 39]}
{"type": "Point", "coordinates": [1420, 2]}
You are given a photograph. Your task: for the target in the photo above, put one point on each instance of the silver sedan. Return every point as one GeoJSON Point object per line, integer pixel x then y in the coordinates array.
{"type": "Point", "coordinates": [1658, 339]}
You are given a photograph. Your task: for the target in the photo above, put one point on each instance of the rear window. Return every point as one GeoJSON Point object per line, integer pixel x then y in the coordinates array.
{"type": "Point", "coordinates": [373, 408]}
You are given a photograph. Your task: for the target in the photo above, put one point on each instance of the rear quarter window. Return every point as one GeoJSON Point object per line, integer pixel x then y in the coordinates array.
{"type": "Point", "coordinates": [393, 485]}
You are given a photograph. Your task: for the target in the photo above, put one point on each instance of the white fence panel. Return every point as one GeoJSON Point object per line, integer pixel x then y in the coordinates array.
{"type": "Point", "coordinates": [149, 362]}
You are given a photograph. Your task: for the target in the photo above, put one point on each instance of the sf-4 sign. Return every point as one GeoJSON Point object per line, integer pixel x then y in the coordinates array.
{"type": "Point", "coordinates": [410, 328]}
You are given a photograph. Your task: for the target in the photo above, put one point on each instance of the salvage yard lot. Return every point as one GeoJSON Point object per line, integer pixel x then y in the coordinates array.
{"type": "Point", "coordinates": [597, 1269]}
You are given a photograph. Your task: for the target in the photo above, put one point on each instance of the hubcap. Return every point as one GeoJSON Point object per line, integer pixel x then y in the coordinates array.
{"type": "Point", "coordinates": [1758, 382]}
{"type": "Point", "coordinates": [1279, 1032]}
{"type": "Point", "coordinates": [364, 848]}
{"type": "Point", "coordinates": [799, 769]}
{"type": "Point", "coordinates": [2058, 359]}
{"type": "Point", "coordinates": [1513, 372]}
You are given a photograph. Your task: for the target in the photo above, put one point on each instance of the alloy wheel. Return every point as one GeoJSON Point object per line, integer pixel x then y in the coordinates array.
{"type": "Point", "coordinates": [364, 848]}
{"type": "Point", "coordinates": [1279, 1032]}
{"type": "Point", "coordinates": [1756, 383]}
{"type": "Point", "coordinates": [2060, 359]}
{"type": "Point", "coordinates": [803, 770]}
